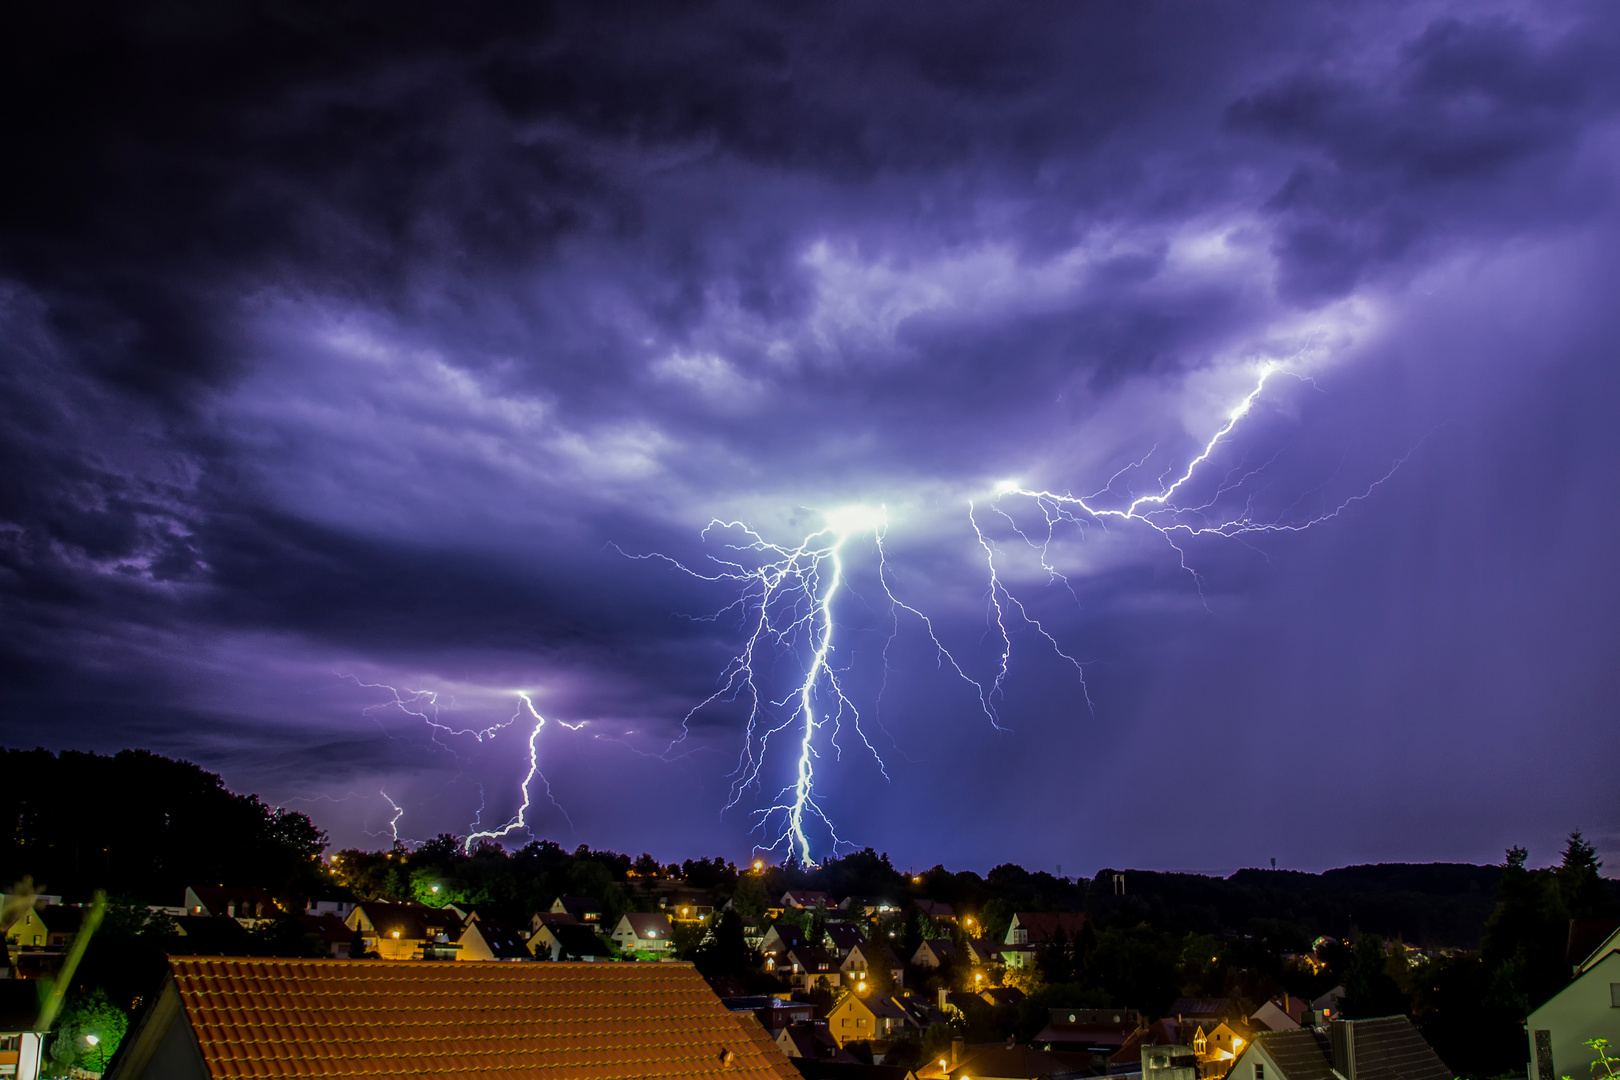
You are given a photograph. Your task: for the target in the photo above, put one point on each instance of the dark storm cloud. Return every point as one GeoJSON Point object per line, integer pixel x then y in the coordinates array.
{"type": "Point", "coordinates": [354, 340]}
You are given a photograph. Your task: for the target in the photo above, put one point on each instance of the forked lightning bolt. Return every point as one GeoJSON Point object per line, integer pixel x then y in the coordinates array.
{"type": "Point", "coordinates": [788, 595]}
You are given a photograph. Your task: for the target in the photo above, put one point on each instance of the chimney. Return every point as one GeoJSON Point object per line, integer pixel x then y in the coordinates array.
{"type": "Point", "coordinates": [957, 1045]}
{"type": "Point", "coordinates": [942, 999]}
{"type": "Point", "coordinates": [1343, 1038]}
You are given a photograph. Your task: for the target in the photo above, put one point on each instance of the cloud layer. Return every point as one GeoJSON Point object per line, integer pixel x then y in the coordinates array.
{"type": "Point", "coordinates": [359, 347]}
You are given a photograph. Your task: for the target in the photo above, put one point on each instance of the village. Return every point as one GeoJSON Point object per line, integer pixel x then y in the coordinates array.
{"type": "Point", "coordinates": [862, 988]}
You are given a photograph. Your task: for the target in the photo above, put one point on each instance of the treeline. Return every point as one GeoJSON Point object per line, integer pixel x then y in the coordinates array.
{"type": "Point", "coordinates": [143, 825]}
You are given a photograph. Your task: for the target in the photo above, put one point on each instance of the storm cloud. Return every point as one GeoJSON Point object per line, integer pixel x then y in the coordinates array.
{"type": "Point", "coordinates": [343, 348]}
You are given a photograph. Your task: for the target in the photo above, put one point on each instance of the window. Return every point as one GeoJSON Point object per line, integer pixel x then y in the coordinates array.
{"type": "Point", "coordinates": [1259, 1071]}
{"type": "Point", "coordinates": [1614, 995]}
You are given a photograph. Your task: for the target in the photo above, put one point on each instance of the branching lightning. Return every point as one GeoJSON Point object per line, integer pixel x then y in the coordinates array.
{"type": "Point", "coordinates": [788, 593]}
{"type": "Point", "coordinates": [424, 705]}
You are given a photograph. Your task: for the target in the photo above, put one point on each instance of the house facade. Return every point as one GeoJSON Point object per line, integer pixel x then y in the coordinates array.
{"type": "Point", "coordinates": [1587, 1008]}
{"type": "Point", "coordinates": [644, 932]}
{"type": "Point", "coordinates": [405, 931]}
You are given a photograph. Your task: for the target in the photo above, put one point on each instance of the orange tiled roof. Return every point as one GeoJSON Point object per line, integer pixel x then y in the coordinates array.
{"type": "Point", "coordinates": [550, 1021]}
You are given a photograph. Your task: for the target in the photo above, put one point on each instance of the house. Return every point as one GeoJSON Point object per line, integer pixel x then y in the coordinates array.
{"type": "Point", "coordinates": [1588, 1007]}
{"type": "Point", "coordinates": [1283, 1013]}
{"type": "Point", "coordinates": [1010, 1061]}
{"type": "Point", "coordinates": [490, 939]}
{"type": "Point", "coordinates": [1586, 937]}
{"type": "Point", "coordinates": [812, 1042]}
{"type": "Point", "coordinates": [240, 1017]}
{"type": "Point", "coordinates": [329, 930]}
{"type": "Point", "coordinates": [1031, 931]}
{"type": "Point", "coordinates": [778, 940]}
{"type": "Point", "coordinates": [1386, 1048]}
{"type": "Point", "coordinates": [405, 931]}
{"type": "Point", "coordinates": [331, 900]}
{"type": "Point", "coordinates": [870, 956]}
{"type": "Point", "coordinates": [247, 906]}
{"type": "Point", "coordinates": [934, 953]}
{"type": "Point", "coordinates": [568, 941]}
{"type": "Point", "coordinates": [868, 1019]}
{"type": "Point", "coordinates": [841, 938]}
{"type": "Point", "coordinates": [941, 913]}
{"type": "Point", "coordinates": [805, 899]}
{"type": "Point", "coordinates": [1089, 1031]}
{"type": "Point", "coordinates": [773, 1013]}
{"type": "Point", "coordinates": [22, 1039]}
{"type": "Point", "coordinates": [809, 967]}
{"type": "Point", "coordinates": [753, 932]}
{"type": "Point", "coordinates": [997, 996]}
{"type": "Point", "coordinates": [52, 927]}
{"type": "Point", "coordinates": [582, 908]}
{"type": "Point", "coordinates": [207, 936]}
{"type": "Point", "coordinates": [638, 931]}
{"type": "Point", "coordinates": [1214, 1042]}
{"type": "Point", "coordinates": [550, 918]}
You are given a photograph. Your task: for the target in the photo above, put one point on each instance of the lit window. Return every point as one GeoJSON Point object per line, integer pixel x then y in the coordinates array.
{"type": "Point", "coordinates": [1259, 1071]}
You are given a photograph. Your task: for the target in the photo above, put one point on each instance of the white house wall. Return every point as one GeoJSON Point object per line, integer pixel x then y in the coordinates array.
{"type": "Point", "coordinates": [1583, 1010]}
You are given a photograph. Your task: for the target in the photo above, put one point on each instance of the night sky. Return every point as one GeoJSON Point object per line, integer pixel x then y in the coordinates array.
{"type": "Point", "coordinates": [367, 344]}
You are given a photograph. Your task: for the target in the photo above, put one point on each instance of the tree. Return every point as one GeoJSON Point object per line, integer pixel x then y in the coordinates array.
{"type": "Point", "coordinates": [89, 1031]}
{"type": "Point", "coordinates": [1583, 891]}
{"type": "Point", "coordinates": [1368, 988]}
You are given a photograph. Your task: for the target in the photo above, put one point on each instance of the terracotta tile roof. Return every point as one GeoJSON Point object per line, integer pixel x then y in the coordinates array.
{"type": "Point", "coordinates": [551, 1021]}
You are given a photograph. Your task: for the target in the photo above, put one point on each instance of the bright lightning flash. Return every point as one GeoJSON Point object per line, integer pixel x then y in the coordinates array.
{"type": "Point", "coordinates": [788, 593]}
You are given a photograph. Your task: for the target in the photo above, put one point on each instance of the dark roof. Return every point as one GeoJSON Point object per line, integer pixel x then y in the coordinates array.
{"type": "Point", "coordinates": [833, 1070]}
{"type": "Point", "coordinates": [1390, 1048]}
{"type": "Point", "coordinates": [1042, 926]}
{"type": "Point", "coordinates": [413, 921]}
{"type": "Point", "coordinates": [1101, 1036]}
{"type": "Point", "coordinates": [1020, 1061]}
{"type": "Point", "coordinates": [19, 1005]}
{"type": "Point", "coordinates": [943, 948]}
{"type": "Point", "coordinates": [298, 1018]}
{"type": "Point", "coordinates": [935, 909]}
{"type": "Point", "coordinates": [505, 942]}
{"type": "Point", "coordinates": [1201, 1008]}
{"type": "Point", "coordinates": [250, 902]}
{"type": "Point", "coordinates": [329, 928]}
{"type": "Point", "coordinates": [1002, 995]}
{"type": "Point", "coordinates": [1585, 935]}
{"type": "Point", "coordinates": [60, 918]}
{"type": "Point", "coordinates": [647, 925]}
{"type": "Point", "coordinates": [843, 937]}
{"type": "Point", "coordinates": [813, 958]}
{"type": "Point", "coordinates": [211, 935]}
{"type": "Point", "coordinates": [577, 906]}
{"type": "Point", "coordinates": [579, 941]}
{"type": "Point", "coordinates": [1302, 1054]}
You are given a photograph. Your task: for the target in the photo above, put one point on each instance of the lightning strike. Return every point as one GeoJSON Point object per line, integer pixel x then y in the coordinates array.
{"type": "Point", "coordinates": [519, 820]}
{"type": "Point", "coordinates": [788, 593]}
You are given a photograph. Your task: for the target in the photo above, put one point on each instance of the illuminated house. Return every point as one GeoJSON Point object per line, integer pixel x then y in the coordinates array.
{"type": "Point", "coordinates": [808, 967]}
{"type": "Point", "coordinates": [51, 927]}
{"type": "Point", "coordinates": [1386, 1048]}
{"type": "Point", "coordinates": [21, 1040]}
{"type": "Point", "coordinates": [642, 932]}
{"type": "Point", "coordinates": [246, 906]}
{"type": "Point", "coordinates": [873, 1019]}
{"type": "Point", "coordinates": [223, 1018]}
{"type": "Point", "coordinates": [805, 899]}
{"type": "Point", "coordinates": [405, 931]}
{"type": "Point", "coordinates": [582, 908]}
{"type": "Point", "coordinates": [870, 956]}
{"type": "Point", "coordinates": [568, 941]}
{"type": "Point", "coordinates": [489, 939]}
{"type": "Point", "coordinates": [1031, 931]}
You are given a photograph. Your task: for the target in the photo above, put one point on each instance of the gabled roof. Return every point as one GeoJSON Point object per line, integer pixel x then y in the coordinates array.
{"type": "Point", "coordinates": [806, 898]}
{"type": "Point", "coordinates": [935, 909]}
{"type": "Point", "coordinates": [1587, 937]}
{"type": "Point", "coordinates": [942, 948]}
{"type": "Point", "coordinates": [577, 941]}
{"type": "Point", "coordinates": [647, 927]}
{"type": "Point", "coordinates": [875, 953]}
{"type": "Point", "coordinates": [1043, 926]}
{"type": "Point", "coordinates": [328, 928]}
{"type": "Point", "coordinates": [1389, 1048]}
{"type": "Point", "coordinates": [1020, 1061]}
{"type": "Point", "coordinates": [250, 902]}
{"type": "Point", "coordinates": [504, 942]}
{"type": "Point", "coordinates": [1001, 995]}
{"type": "Point", "coordinates": [19, 1006]}
{"type": "Point", "coordinates": [60, 918]}
{"type": "Point", "coordinates": [1200, 1008]}
{"type": "Point", "coordinates": [1300, 1055]}
{"type": "Point", "coordinates": [844, 938]}
{"type": "Point", "coordinates": [413, 921]}
{"type": "Point", "coordinates": [295, 1018]}
{"type": "Point", "coordinates": [813, 958]}
{"type": "Point", "coordinates": [577, 906]}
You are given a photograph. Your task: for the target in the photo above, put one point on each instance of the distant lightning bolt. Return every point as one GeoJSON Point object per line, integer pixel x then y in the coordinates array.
{"type": "Point", "coordinates": [424, 705]}
{"type": "Point", "coordinates": [788, 594]}
{"type": "Point", "coordinates": [519, 820]}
